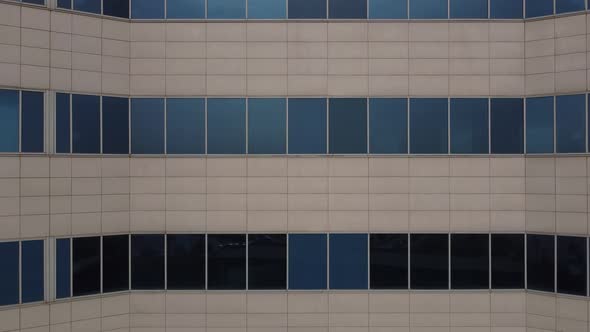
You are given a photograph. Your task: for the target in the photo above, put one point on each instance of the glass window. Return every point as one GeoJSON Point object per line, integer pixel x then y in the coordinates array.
{"type": "Point", "coordinates": [389, 261]}
{"type": "Point", "coordinates": [115, 263]}
{"type": "Point", "coordinates": [507, 125]}
{"type": "Point", "coordinates": [469, 8]}
{"type": "Point", "coordinates": [536, 8]}
{"type": "Point", "coordinates": [308, 261]}
{"type": "Point", "coordinates": [185, 123]}
{"type": "Point", "coordinates": [62, 268]}
{"type": "Point", "coordinates": [348, 9]}
{"type": "Point", "coordinates": [10, 275]}
{"type": "Point", "coordinates": [186, 261]}
{"type": "Point", "coordinates": [32, 131]}
{"type": "Point", "coordinates": [348, 125]}
{"type": "Point", "coordinates": [185, 9]}
{"type": "Point", "coordinates": [36, 2]}
{"type": "Point", "coordinates": [571, 265]}
{"type": "Point", "coordinates": [147, 261]}
{"type": "Point", "coordinates": [267, 261]}
{"type": "Point", "coordinates": [67, 4]}
{"type": "Point", "coordinates": [570, 121]}
{"type": "Point", "coordinates": [86, 265]}
{"type": "Point", "coordinates": [147, 125]}
{"type": "Point", "coordinates": [429, 125]}
{"type": "Point", "coordinates": [470, 261]}
{"type": "Point", "coordinates": [226, 261]}
{"type": "Point", "coordinates": [348, 261]}
{"type": "Point", "coordinates": [505, 9]}
{"type": "Point", "coordinates": [9, 121]}
{"type": "Point", "coordinates": [226, 9]}
{"type": "Point", "coordinates": [507, 261]}
{"type": "Point", "coordinates": [85, 124]}
{"type": "Point", "coordinates": [117, 8]}
{"type": "Point", "coordinates": [115, 125]}
{"type": "Point", "coordinates": [33, 271]}
{"type": "Point", "coordinates": [539, 125]}
{"type": "Point", "coordinates": [429, 261]}
{"type": "Point", "coordinates": [307, 126]}
{"type": "Point", "coordinates": [263, 9]}
{"type": "Point", "coordinates": [388, 9]}
{"type": "Point", "coordinates": [307, 8]}
{"type": "Point", "coordinates": [147, 9]}
{"type": "Point", "coordinates": [267, 126]}
{"type": "Point", "coordinates": [226, 126]}
{"type": "Point", "coordinates": [566, 6]}
{"type": "Point", "coordinates": [540, 262]}
{"type": "Point", "coordinates": [90, 6]}
{"type": "Point", "coordinates": [62, 123]}
{"type": "Point", "coordinates": [469, 125]}
{"type": "Point", "coordinates": [388, 121]}
{"type": "Point", "coordinates": [428, 9]}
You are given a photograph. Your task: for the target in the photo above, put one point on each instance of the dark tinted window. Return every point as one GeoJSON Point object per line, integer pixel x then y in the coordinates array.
{"type": "Point", "coordinates": [147, 261]}
{"type": "Point", "coordinates": [267, 261]}
{"type": "Point", "coordinates": [9, 120]}
{"type": "Point", "coordinates": [115, 263]}
{"type": "Point", "coordinates": [505, 9]}
{"type": "Point", "coordinates": [429, 125]}
{"type": "Point", "coordinates": [62, 268]}
{"type": "Point", "coordinates": [389, 261]}
{"type": "Point", "coordinates": [146, 9]}
{"type": "Point", "coordinates": [307, 126]}
{"type": "Point", "coordinates": [469, 125]}
{"type": "Point", "coordinates": [570, 123]}
{"type": "Point", "coordinates": [540, 262]}
{"type": "Point", "coordinates": [308, 261]}
{"type": "Point", "coordinates": [33, 271]}
{"type": "Point", "coordinates": [470, 261]}
{"type": "Point", "coordinates": [90, 6]}
{"type": "Point", "coordinates": [147, 125]}
{"type": "Point", "coordinates": [117, 8]}
{"type": "Point", "coordinates": [348, 261]}
{"type": "Point", "coordinates": [348, 9]}
{"type": "Point", "coordinates": [267, 125]}
{"type": "Point", "coordinates": [539, 125]}
{"type": "Point", "coordinates": [226, 261]}
{"type": "Point", "coordinates": [388, 121]}
{"type": "Point", "coordinates": [9, 276]}
{"type": "Point", "coordinates": [85, 124]}
{"type": "Point", "coordinates": [115, 125]}
{"type": "Point", "coordinates": [185, 123]}
{"type": "Point", "coordinates": [307, 8]}
{"type": "Point", "coordinates": [32, 131]}
{"type": "Point", "coordinates": [185, 8]}
{"type": "Point", "coordinates": [226, 126]}
{"type": "Point", "coordinates": [565, 6]}
{"type": "Point", "coordinates": [36, 2]}
{"type": "Point", "coordinates": [539, 8]}
{"type": "Point", "coordinates": [262, 9]}
{"type": "Point", "coordinates": [507, 125]}
{"type": "Point", "coordinates": [429, 261]}
{"type": "Point", "coordinates": [469, 8]}
{"type": "Point", "coordinates": [186, 261]}
{"type": "Point", "coordinates": [428, 9]}
{"type": "Point", "coordinates": [571, 265]}
{"type": "Point", "coordinates": [86, 265]}
{"type": "Point", "coordinates": [381, 9]}
{"type": "Point", "coordinates": [62, 123]}
{"type": "Point", "coordinates": [507, 261]}
{"type": "Point", "coordinates": [348, 125]}
{"type": "Point", "coordinates": [231, 9]}
{"type": "Point", "coordinates": [67, 4]}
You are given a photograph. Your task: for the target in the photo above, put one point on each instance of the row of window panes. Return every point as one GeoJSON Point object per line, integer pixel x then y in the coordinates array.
{"type": "Point", "coordinates": [322, 9]}
{"type": "Point", "coordinates": [114, 125]}
{"type": "Point", "coordinates": [22, 273]}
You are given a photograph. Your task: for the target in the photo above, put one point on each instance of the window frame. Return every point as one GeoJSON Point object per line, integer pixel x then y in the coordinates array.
{"type": "Point", "coordinates": [46, 126]}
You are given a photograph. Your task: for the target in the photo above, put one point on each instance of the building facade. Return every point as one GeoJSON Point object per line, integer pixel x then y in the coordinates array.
{"type": "Point", "coordinates": [304, 166]}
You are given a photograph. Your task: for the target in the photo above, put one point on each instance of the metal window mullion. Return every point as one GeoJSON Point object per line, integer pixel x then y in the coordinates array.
{"type": "Point", "coordinates": [101, 263]}
{"type": "Point", "coordinates": [247, 261]}
{"type": "Point", "coordinates": [328, 261]}
{"type": "Point", "coordinates": [409, 258]}
{"type": "Point", "coordinates": [71, 125]}
{"type": "Point", "coordinates": [368, 110]}
{"type": "Point", "coordinates": [328, 125]}
{"type": "Point", "coordinates": [408, 112]}
{"type": "Point", "coordinates": [490, 126]}
{"type": "Point", "coordinates": [448, 125]}
{"type": "Point", "coordinates": [554, 124]}
{"type": "Point", "coordinates": [247, 101]}
{"type": "Point", "coordinates": [368, 261]}
{"type": "Point", "coordinates": [206, 124]}
{"type": "Point", "coordinates": [490, 261]}
{"type": "Point", "coordinates": [71, 267]}
{"type": "Point", "coordinates": [449, 259]}
{"type": "Point", "coordinates": [129, 261]}
{"type": "Point", "coordinates": [129, 127]}
{"type": "Point", "coordinates": [206, 261]}
{"type": "Point", "coordinates": [524, 124]}
{"type": "Point", "coordinates": [165, 261]}
{"type": "Point", "coordinates": [165, 126]}
{"type": "Point", "coordinates": [100, 134]}
{"type": "Point", "coordinates": [554, 263]}
{"type": "Point", "coordinates": [586, 120]}
{"type": "Point", "coordinates": [286, 126]}
{"type": "Point", "coordinates": [526, 277]}
{"type": "Point", "coordinates": [20, 272]}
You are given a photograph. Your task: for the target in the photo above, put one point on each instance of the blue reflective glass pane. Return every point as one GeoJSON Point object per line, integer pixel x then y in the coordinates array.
{"type": "Point", "coordinates": [147, 125]}
{"type": "Point", "coordinates": [85, 124]}
{"type": "Point", "coordinates": [33, 267]}
{"type": "Point", "coordinates": [469, 125]}
{"type": "Point", "coordinates": [90, 6]}
{"type": "Point", "coordinates": [570, 121]}
{"type": "Point", "coordinates": [536, 8]}
{"type": "Point", "coordinates": [62, 268]}
{"type": "Point", "coordinates": [566, 6]}
{"type": "Point", "coordinates": [226, 9]}
{"type": "Point", "coordinates": [226, 126]}
{"type": "Point", "coordinates": [469, 8]}
{"type": "Point", "coordinates": [117, 8]}
{"type": "Point", "coordinates": [185, 122]}
{"type": "Point", "coordinates": [8, 121]}
{"type": "Point", "coordinates": [429, 125]}
{"type": "Point", "coordinates": [506, 8]}
{"type": "Point", "coordinates": [67, 4]}
{"type": "Point", "coordinates": [62, 123]}
{"type": "Point", "coordinates": [261, 9]}
{"type": "Point", "coordinates": [383, 9]}
{"type": "Point", "coordinates": [147, 261]}
{"type": "Point", "coordinates": [146, 9]}
{"type": "Point", "coordinates": [427, 9]}
{"type": "Point", "coordinates": [307, 8]}
{"type": "Point", "coordinates": [9, 276]}
{"type": "Point", "coordinates": [185, 8]}
{"type": "Point", "coordinates": [507, 125]}
{"type": "Point", "coordinates": [388, 125]}
{"type": "Point", "coordinates": [307, 126]}
{"type": "Point", "coordinates": [32, 131]}
{"type": "Point", "coordinates": [267, 122]}
{"type": "Point", "coordinates": [539, 125]}
{"type": "Point", "coordinates": [308, 261]}
{"type": "Point", "coordinates": [115, 125]}
{"type": "Point", "coordinates": [36, 2]}
{"type": "Point", "coordinates": [348, 9]}
{"type": "Point", "coordinates": [348, 261]}
{"type": "Point", "coordinates": [348, 125]}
